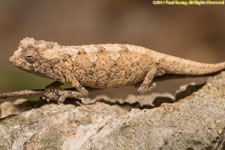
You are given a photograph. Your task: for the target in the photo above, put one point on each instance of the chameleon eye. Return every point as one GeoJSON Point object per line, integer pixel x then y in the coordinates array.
{"type": "Point", "coordinates": [30, 59]}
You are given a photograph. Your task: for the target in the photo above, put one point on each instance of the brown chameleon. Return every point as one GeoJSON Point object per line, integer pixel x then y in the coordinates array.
{"type": "Point", "coordinates": [101, 66]}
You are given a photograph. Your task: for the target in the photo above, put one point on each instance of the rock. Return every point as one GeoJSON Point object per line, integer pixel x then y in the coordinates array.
{"type": "Point", "coordinates": [194, 122]}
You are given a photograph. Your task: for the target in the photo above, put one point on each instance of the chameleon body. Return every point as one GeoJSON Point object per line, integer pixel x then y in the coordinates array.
{"type": "Point", "coordinates": [102, 65]}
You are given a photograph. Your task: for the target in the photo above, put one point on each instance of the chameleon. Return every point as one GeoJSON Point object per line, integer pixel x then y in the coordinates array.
{"type": "Point", "coordinates": [100, 66]}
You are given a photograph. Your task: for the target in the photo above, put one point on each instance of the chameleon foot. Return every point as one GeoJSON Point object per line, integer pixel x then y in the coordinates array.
{"type": "Point", "coordinates": [60, 95]}
{"type": "Point", "coordinates": [146, 88]}
{"type": "Point", "coordinates": [152, 86]}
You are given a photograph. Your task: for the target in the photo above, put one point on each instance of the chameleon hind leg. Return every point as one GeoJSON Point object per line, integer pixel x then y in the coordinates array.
{"type": "Point", "coordinates": [54, 92]}
{"type": "Point", "coordinates": [147, 84]}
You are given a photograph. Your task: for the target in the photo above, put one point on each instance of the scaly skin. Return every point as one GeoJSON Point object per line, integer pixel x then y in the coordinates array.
{"type": "Point", "coordinates": [102, 65]}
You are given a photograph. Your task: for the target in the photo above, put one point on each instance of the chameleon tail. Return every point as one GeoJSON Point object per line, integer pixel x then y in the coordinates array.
{"type": "Point", "coordinates": [175, 65]}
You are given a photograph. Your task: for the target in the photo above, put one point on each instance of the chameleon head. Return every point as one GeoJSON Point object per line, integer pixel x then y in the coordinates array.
{"type": "Point", "coordinates": [26, 56]}
{"type": "Point", "coordinates": [30, 56]}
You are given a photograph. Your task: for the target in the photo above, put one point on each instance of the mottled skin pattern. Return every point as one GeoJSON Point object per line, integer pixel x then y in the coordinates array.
{"type": "Point", "coordinates": [101, 66]}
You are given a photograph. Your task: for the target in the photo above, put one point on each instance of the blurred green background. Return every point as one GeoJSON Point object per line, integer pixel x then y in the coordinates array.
{"type": "Point", "coordinates": [192, 32]}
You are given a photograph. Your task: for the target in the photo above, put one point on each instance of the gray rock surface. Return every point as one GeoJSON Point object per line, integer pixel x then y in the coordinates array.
{"type": "Point", "coordinates": [195, 122]}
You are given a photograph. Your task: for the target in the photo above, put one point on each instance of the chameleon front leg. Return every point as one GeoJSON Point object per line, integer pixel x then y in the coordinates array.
{"type": "Point", "coordinates": [147, 84]}
{"type": "Point", "coordinates": [82, 92]}
{"type": "Point", "coordinates": [54, 92]}
{"type": "Point", "coordinates": [60, 95]}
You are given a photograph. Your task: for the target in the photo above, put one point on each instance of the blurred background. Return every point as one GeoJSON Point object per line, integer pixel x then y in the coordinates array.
{"type": "Point", "coordinates": [191, 32]}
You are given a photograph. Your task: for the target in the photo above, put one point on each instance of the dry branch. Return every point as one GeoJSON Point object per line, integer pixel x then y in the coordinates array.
{"type": "Point", "coordinates": [22, 93]}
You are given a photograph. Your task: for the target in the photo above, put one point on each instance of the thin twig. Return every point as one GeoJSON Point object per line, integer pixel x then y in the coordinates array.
{"type": "Point", "coordinates": [22, 93]}
{"type": "Point", "coordinates": [30, 92]}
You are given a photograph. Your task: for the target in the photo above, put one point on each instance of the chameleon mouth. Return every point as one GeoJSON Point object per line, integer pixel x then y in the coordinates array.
{"type": "Point", "coordinates": [13, 60]}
